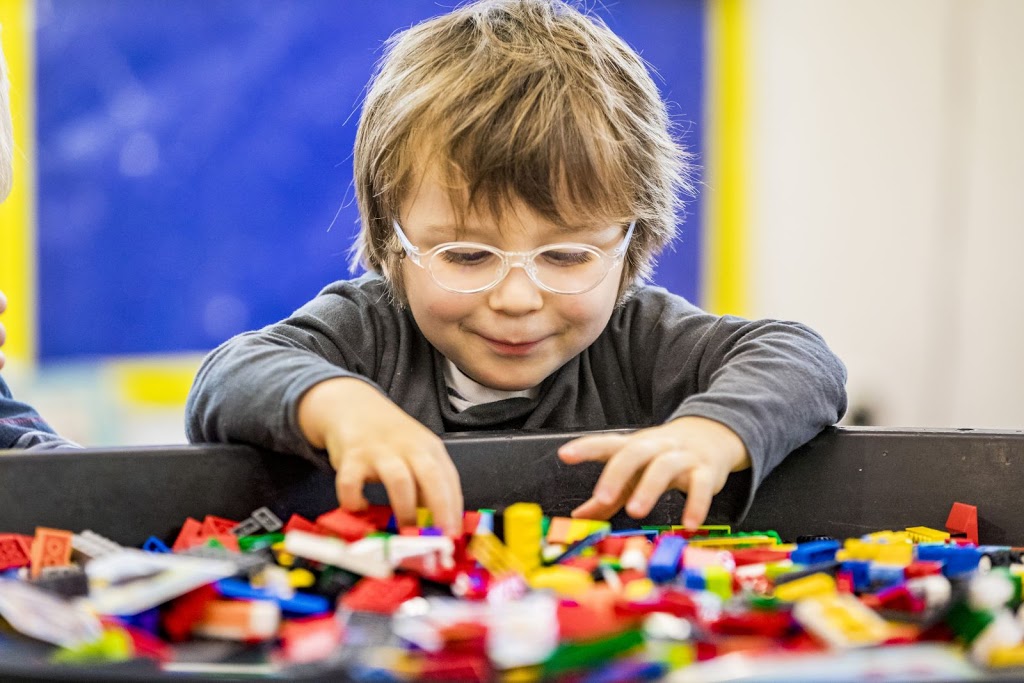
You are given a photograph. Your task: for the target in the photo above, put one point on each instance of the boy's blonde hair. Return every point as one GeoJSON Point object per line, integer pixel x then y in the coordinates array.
{"type": "Point", "coordinates": [6, 129]}
{"type": "Point", "coordinates": [525, 100]}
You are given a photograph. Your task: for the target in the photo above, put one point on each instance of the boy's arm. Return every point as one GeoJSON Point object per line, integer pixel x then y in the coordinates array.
{"type": "Point", "coordinates": [775, 384]}
{"type": "Point", "coordinates": [727, 394]}
{"type": "Point", "coordinates": [248, 389]}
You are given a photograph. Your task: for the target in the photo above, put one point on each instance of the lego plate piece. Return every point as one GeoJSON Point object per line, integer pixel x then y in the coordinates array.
{"type": "Point", "coordinates": [43, 616]}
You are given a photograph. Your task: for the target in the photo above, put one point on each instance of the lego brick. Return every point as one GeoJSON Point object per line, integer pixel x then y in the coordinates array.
{"type": "Point", "coordinates": [50, 548]}
{"type": "Point", "coordinates": [963, 520]}
{"type": "Point", "coordinates": [382, 596]}
{"type": "Point", "coordinates": [344, 525]}
{"type": "Point", "coordinates": [15, 552]}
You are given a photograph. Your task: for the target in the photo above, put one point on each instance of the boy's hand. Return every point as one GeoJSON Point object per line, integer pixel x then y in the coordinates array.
{"type": "Point", "coordinates": [692, 454]}
{"type": "Point", "coordinates": [369, 439]}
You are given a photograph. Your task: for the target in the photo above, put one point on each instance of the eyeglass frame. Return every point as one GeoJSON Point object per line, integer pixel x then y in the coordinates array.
{"type": "Point", "coordinates": [524, 259]}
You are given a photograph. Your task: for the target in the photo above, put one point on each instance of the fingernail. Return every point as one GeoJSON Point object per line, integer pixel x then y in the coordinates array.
{"type": "Point", "coordinates": [603, 496]}
{"type": "Point", "coordinates": [635, 508]}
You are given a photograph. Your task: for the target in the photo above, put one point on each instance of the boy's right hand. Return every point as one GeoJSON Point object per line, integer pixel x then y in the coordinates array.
{"type": "Point", "coordinates": [370, 439]}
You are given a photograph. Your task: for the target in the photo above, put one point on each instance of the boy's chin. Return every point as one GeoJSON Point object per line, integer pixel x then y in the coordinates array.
{"type": "Point", "coordinates": [507, 382]}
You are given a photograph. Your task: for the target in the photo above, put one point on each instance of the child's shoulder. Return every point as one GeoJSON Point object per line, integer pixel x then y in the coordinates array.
{"type": "Point", "coordinates": [653, 302]}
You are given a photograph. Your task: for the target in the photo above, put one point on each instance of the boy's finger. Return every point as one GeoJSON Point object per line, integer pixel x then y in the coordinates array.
{"type": "Point", "coordinates": [623, 467]}
{"type": "Point", "coordinates": [455, 487]}
{"type": "Point", "coordinates": [698, 497]}
{"type": "Point", "coordinates": [437, 490]}
{"type": "Point", "coordinates": [597, 447]}
{"type": "Point", "coordinates": [349, 483]}
{"type": "Point", "coordinates": [655, 480]}
{"type": "Point", "coordinates": [593, 508]}
{"type": "Point", "coordinates": [401, 487]}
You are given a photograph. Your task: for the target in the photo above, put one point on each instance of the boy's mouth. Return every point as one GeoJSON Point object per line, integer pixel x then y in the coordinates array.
{"type": "Point", "coordinates": [507, 347]}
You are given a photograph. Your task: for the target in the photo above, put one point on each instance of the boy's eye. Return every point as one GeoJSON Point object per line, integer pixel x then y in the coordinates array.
{"type": "Point", "coordinates": [568, 257]}
{"type": "Point", "coordinates": [466, 257]}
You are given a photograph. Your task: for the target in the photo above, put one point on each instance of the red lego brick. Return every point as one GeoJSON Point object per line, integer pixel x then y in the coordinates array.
{"type": "Point", "coordinates": [897, 598]}
{"type": "Point", "coordinates": [464, 636]}
{"type": "Point", "coordinates": [299, 523]}
{"type": "Point", "coordinates": [380, 516]}
{"type": "Point", "coordinates": [745, 556]}
{"type": "Point", "coordinates": [184, 612]}
{"type": "Point", "coordinates": [50, 548]}
{"type": "Point", "coordinates": [753, 623]}
{"type": "Point", "coordinates": [587, 564]}
{"type": "Point", "coordinates": [312, 639]}
{"type": "Point", "coordinates": [611, 545]}
{"type": "Point", "coordinates": [382, 596]}
{"type": "Point", "coordinates": [215, 526]}
{"type": "Point", "coordinates": [191, 534]}
{"type": "Point", "coordinates": [963, 521]}
{"type": "Point", "coordinates": [344, 524]}
{"type": "Point", "coordinates": [922, 568]}
{"type": "Point", "coordinates": [844, 581]}
{"type": "Point", "coordinates": [578, 622]}
{"type": "Point", "coordinates": [226, 540]}
{"type": "Point", "coordinates": [470, 521]}
{"type": "Point", "coordinates": [454, 666]}
{"type": "Point", "coordinates": [672, 600]}
{"type": "Point", "coordinates": [14, 552]}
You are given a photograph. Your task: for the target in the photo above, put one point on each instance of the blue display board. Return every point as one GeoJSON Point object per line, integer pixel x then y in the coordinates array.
{"type": "Point", "coordinates": [195, 162]}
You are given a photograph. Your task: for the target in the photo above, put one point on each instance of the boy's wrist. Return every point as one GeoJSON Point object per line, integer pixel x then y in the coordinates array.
{"type": "Point", "coordinates": [318, 408]}
{"type": "Point", "coordinates": [723, 440]}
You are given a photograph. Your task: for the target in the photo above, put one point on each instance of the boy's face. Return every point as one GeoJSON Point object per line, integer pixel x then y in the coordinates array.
{"type": "Point", "coordinates": [515, 334]}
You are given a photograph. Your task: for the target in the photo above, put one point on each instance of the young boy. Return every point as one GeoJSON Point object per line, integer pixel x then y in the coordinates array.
{"type": "Point", "coordinates": [20, 425]}
{"type": "Point", "coordinates": [516, 179]}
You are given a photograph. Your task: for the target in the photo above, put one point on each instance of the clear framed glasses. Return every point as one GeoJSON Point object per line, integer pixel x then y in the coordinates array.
{"type": "Point", "coordinates": [471, 267]}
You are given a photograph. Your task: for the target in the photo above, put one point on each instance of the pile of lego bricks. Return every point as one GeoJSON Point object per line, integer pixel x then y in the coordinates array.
{"type": "Point", "coordinates": [519, 596]}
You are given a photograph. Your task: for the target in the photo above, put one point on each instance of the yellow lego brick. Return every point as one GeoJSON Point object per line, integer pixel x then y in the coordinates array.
{"type": "Point", "coordinates": [900, 554]}
{"type": "Point", "coordinates": [923, 534]}
{"type": "Point", "coordinates": [523, 533]}
{"type": "Point", "coordinates": [715, 528]}
{"type": "Point", "coordinates": [729, 542]}
{"type": "Point", "coordinates": [1006, 656]}
{"type": "Point", "coordinates": [578, 528]}
{"type": "Point", "coordinates": [841, 620]}
{"type": "Point", "coordinates": [718, 580]}
{"type": "Point", "coordinates": [424, 518]}
{"type": "Point", "coordinates": [301, 578]}
{"type": "Point", "coordinates": [813, 585]}
{"type": "Point", "coordinates": [522, 674]}
{"type": "Point", "coordinates": [566, 581]}
{"type": "Point", "coordinates": [638, 589]}
{"type": "Point", "coordinates": [775, 569]}
{"type": "Point", "coordinates": [493, 555]}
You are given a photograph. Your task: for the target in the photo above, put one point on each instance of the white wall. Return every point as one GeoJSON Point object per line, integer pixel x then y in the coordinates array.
{"type": "Point", "coordinates": [887, 147]}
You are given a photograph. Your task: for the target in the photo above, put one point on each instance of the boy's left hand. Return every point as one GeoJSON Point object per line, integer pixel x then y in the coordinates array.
{"type": "Point", "coordinates": [692, 454]}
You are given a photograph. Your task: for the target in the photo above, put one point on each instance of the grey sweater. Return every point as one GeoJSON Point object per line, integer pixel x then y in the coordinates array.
{"type": "Point", "coordinates": [776, 384]}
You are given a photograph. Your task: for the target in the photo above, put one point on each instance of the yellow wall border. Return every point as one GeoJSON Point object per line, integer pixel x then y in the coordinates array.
{"type": "Point", "coordinates": [17, 214]}
{"type": "Point", "coordinates": [726, 273]}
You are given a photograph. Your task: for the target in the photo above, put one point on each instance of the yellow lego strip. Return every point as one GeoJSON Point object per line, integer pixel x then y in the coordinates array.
{"type": "Point", "coordinates": [725, 259]}
{"type": "Point", "coordinates": [17, 214]}
{"type": "Point", "coordinates": [730, 542]}
{"type": "Point", "coordinates": [155, 382]}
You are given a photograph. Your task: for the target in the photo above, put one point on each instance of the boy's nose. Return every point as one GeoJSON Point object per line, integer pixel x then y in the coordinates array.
{"type": "Point", "coordinates": [517, 294]}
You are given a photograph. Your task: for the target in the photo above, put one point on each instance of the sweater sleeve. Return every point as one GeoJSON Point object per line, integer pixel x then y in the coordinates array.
{"type": "Point", "coordinates": [248, 389]}
{"type": "Point", "coordinates": [775, 383]}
